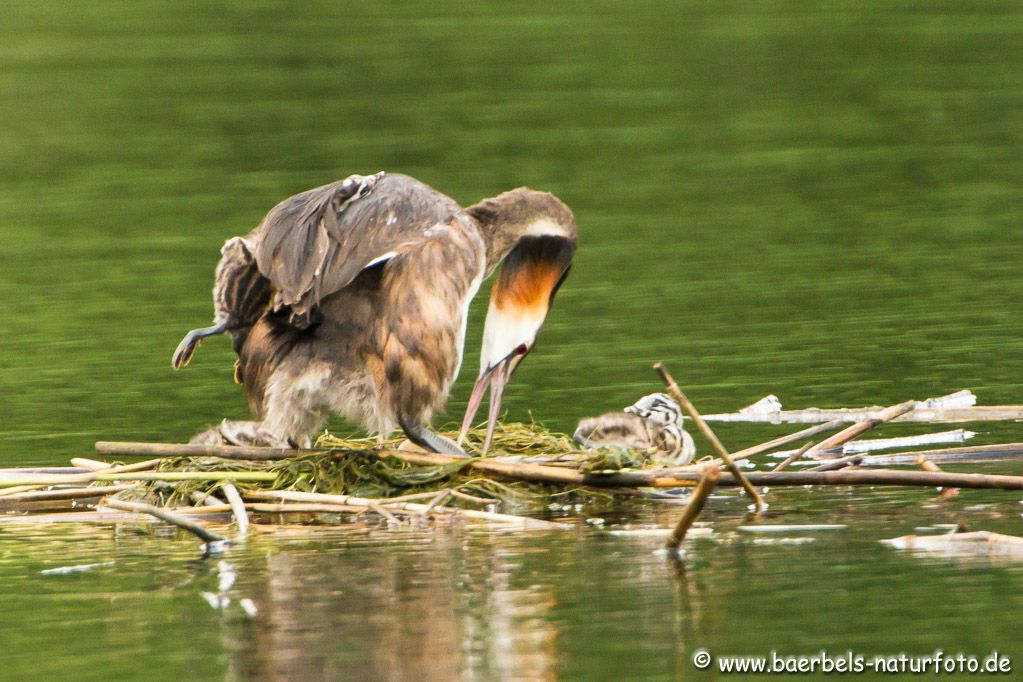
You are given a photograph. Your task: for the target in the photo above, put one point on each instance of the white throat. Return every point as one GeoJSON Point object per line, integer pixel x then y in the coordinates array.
{"type": "Point", "coordinates": [507, 329]}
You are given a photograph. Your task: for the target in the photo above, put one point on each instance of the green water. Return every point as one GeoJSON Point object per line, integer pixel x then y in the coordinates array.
{"type": "Point", "coordinates": [818, 200]}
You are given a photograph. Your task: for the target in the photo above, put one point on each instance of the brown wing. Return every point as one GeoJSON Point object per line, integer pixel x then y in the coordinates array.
{"type": "Point", "coordinates": [315, 243]}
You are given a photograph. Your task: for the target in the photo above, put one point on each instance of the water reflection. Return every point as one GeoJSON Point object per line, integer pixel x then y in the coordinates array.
{"type": "Point", "coordinates": [441, 608]}
{"type": "Point", "coordinates": [468, 603]}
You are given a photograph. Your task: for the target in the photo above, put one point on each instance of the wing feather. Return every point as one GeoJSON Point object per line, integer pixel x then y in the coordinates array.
{"type": "Point", "coordinates": [315, 243]}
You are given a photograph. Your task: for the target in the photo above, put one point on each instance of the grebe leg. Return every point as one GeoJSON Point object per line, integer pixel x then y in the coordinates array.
{"type": "Point", "coordinates": [183, 353]}
{"type": "Point", "coordinates": [428, 440]}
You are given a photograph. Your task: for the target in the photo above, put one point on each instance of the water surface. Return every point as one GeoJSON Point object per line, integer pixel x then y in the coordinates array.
{"type": "Point", "coordinates": [817, 200]}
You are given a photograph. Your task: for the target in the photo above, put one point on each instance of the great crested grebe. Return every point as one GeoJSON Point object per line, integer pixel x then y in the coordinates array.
{"type": "Point", "coordinates": [352, 298]}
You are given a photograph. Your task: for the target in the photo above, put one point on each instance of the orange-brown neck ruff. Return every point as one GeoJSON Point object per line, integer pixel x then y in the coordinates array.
{"type": "Point", "coordinates": [532, 273]}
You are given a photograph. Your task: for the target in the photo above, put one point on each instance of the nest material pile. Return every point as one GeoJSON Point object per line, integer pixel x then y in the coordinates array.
{"type": "Point", "coordinates": [363, 467]}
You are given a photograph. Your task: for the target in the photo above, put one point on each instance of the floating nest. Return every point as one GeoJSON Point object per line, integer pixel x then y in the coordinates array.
{"type": "Point", "coordinates": [362, 467]}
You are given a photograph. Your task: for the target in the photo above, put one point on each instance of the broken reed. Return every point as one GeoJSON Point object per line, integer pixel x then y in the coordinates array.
{"type": "Point", "coordinates": [708, 433]}
{"type": "Point", "coordinates": [695, 506]}
{"type": "Point", "coordinates": [65, 479]}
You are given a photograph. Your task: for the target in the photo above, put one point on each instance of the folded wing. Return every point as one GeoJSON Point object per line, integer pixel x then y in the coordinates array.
{"type": "Point", "coordinates": [315, 243]}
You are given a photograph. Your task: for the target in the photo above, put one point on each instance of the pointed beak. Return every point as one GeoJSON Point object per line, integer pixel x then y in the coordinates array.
{"type": "Point", "coordinates": [497, 378]}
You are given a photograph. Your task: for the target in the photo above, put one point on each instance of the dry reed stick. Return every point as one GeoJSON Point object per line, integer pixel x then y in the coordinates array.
{"type": "Point", "coordinates": [841, 463]}
{"type": "Point", "coordinates": [24, 471]}
{"type": "Point", "coordinates": [91, 477]}
{"type": "Point", "coordinates": [677, 393]}
{"type": "Point", "coordinates": [207, 499]}
{"type": "Point", "coordinates": [859, 477]}
{"type": "Point", "coordinates": [302, 508]}
{"type": "Point", "coordinates": [860, 427]}
{"type": "Point", "coordinates": [472, 498]}
{"type": "Point", "coordinates": [959, 406]}
{"type": "Point", "coordinates": [780, 441]}
{"type": "Point", "coordinates": [409, 498]}
{"type": "Point", "coordinates": [695, 506]}
{"type": "Point", "coordinates": [391, 518]}
{"type": "Point", "coordinates": [793, 457]}
{"type": "Point", "coordinates": [80, 464]}
{"type": "Point", "coordinates": [202, 509]}
{"type": "Point", "coordinates": [437, 499]}
{"type": "Point", "coordinates": [237, 507]}
{"type": "Point", "coordinates": [17, 489]}
{"type": "Point", "coordinates": [928, 465]}
{"type": "Point", "coordinates": [518, 470]}
{"type": "Point", "coordinates": [964, 454]}
{"type": "Point", "coordinates": [97, 466]}
{"type": "Point", "coordinates": [115, 449]}
{"type": "Point", "coordinates": [63, 494]}
{"type": "Point", "coordinates": [207, 536]}
{"type": "Point", "coordinates": [89, 464]}
{"type": "Point", "coordinates": [930, 415]}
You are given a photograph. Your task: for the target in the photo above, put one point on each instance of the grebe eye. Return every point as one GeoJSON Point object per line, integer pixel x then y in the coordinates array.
{"type": "Point", "coordinates": [521, 349]}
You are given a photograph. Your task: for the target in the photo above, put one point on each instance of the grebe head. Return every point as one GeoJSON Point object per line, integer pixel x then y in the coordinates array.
{"type": "Point", "coordinates": [534, 234]}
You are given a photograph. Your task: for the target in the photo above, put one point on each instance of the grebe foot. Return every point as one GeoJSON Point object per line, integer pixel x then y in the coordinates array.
{"type": "Point", "coordinates": [183, 353]}
{"type": "Point", "coordinates": [430, 441]}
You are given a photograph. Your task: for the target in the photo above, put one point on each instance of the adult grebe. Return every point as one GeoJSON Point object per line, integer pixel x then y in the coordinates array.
{"type": "Point", "coordinates": [352, 298]}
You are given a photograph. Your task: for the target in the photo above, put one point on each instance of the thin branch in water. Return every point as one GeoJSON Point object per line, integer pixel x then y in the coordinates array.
{"type": "Point", "coordinates": [202, 510]}
{"type": "Point", "coordinates": [408, 498]}
{"type": "Point", "coordinates": [141, 476]}
{"type": "Point", "coordinates": [207, 536]}
{"type": "Point", "coordinates": [437, 499]}
{"type": "Point", "coordinates": [956, 407]}
{"type": "Point", "coordinates": [106, 467]}
{"type": "Point", "coordinates": [860, 427]}
{"type": "Point", "coordinates": [24, 471]}
{"type": "Point", "coordinates": [859, 477]}
{"type": "Point", "coordinates": [237, 508]}
{"type": "Point", "coordinates": [841, 463]}
{"type": "Point", "coordinates": [207, 499]}
{"type": "Point", "coordinates": [391, 518]}
{"type": "Point", "coordinates": [695, 506]}
{"type": "Point", "coordinates": [793, 457]}
{"type": "Point", "coordinates": [116, 449]}
{"type": "Point", "coordinates": [18, 489]}
{"type": "Point", "coordinates": [868, 445]}
{"type": "Point", "coordinates": [928, 465]}
{"type": "Point", "coordinates": [80, 464]}
{"type": "Point", "coordinates": [779, 442]}
{"type": "Point", "coordinates": [976, 453]}
{"type": "Point", "coordinates": [472, 498]}
{"type": "Point", "coordinates": [303, 508]}
{"type": "Point", "coordinates": [705, 429]}
{"type": "Point", "coordinates": [63, 494]}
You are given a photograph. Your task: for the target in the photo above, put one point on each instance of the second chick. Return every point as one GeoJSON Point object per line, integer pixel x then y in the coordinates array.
{"type": "Point", "coordinates": [652, 424]}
